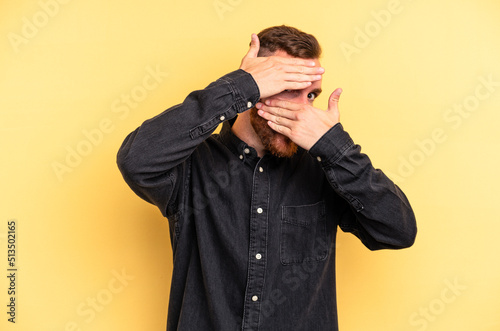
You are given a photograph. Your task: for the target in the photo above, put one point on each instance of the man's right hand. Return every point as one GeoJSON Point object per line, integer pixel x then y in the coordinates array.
{"type": "Point", "coordinates": [274, 74]}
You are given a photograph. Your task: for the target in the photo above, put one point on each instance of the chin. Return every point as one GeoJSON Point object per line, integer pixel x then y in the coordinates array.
{"type": "Point", "coordinates": [273, 142]}
{"type": "Point", "coordinates": [281, 146]}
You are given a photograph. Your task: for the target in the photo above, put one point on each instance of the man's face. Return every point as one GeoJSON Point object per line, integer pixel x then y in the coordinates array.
{"type": "Point", "coordinates": [274, 142]}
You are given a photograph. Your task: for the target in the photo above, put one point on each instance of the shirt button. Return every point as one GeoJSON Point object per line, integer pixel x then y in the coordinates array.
{"type": "Point", "coordinates": [261, 169]}
{"type": "Point", "coordinates": [318, 158]}
{"type": "Point", "coordinates": [255, 298]}
{"type": "Point", "coordinates": [249, 104]}
{"type": "Point", "coordinates": [259, 210]}
{"type": "Point", "coordinates": [241, 157]}
{"type": "Point", "coordinates": [258, 256]}
{"type": "Point", "coordinates": [246, 150]}
{"type": "Point", "coordinates": [222, 118]}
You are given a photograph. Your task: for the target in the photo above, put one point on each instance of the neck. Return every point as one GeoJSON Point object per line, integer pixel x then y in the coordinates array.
{"type": "Point", "coordinates": [243, 129]}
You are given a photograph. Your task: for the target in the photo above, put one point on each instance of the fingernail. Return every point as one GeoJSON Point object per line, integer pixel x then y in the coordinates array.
{"type": "Point", "coordinates": [268, 102]}
{"type": "Point", "coordinates": [258, 105]}
{"type": "Point", "coordinates": [321, 70]}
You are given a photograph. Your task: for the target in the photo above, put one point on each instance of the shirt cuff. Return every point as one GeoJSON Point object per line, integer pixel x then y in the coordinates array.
{"type": "Point", "coordinates": [332, 145]}
{"type": "Point", "coordinates": [244, 88]}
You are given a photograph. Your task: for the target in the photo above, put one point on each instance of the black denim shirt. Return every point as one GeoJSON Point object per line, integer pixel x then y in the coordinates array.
{"type": "Point", "coordinates": [254, 238]}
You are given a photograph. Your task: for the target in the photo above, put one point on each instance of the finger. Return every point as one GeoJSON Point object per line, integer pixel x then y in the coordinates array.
{"type": "Point", "coordinates": [295, 61]}
{"type": "Point", "coordinates": [333, 101]}
{"type": "Point", "coordinates": [270, 113]}
{"type": "Point", "coordinates": [279, 128]}
{"type": "Point", "coordinates": [305, 70]}
{"type": "Point", "coordinates": [301, 77]}
{"type": "Point", "coordinates": [279, 120]}
{"type": "Point", "coordinates": [254, 47]}
{"type": "Point", "coordinates": [282, 107]}
{"type": "Point", "coordinates": [293, 85]}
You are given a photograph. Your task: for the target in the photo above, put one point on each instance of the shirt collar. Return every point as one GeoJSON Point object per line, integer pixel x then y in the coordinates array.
{"type": "Point", "coordinates": [237, 146]}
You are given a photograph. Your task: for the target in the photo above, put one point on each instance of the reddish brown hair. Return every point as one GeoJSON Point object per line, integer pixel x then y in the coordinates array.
{"type": "Point", "coordinates": [289, 39]}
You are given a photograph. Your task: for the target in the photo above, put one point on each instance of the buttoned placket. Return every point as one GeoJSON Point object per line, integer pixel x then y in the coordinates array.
{"type": "Point", "coordinates": [258, 247]}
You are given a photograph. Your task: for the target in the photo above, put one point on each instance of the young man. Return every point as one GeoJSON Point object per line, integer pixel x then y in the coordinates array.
{"type": "Point", "coordinates": [254, 210]}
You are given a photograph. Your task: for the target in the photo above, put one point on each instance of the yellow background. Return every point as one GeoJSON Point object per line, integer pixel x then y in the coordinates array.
{"type": "Point", "coordinates": [404, 65]}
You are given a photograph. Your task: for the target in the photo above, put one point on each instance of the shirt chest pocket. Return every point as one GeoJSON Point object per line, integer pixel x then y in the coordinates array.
{"type": "Point", "coordinates": [303, 234]}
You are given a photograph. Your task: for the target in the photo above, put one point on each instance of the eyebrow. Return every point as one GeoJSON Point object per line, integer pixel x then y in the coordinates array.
{"type": "Point", "coordinates": [317, 91]}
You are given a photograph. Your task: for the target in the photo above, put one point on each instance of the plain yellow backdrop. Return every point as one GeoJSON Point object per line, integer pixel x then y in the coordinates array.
{"type": "Point", "coordinates": [421, 83]}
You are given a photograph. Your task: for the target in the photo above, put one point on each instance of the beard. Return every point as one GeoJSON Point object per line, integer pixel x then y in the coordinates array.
{"type": "Point", "coordinates": [273, 142]}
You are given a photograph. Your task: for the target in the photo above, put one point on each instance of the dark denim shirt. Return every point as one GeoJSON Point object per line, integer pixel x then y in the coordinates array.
{"type": "Point", "coordinates": [254, 238]}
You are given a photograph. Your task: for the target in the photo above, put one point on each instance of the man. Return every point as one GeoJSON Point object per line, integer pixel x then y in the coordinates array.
{"type": "Point", "coordinates": [254, 210]}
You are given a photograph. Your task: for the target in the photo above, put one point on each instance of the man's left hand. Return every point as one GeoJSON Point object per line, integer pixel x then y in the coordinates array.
{"type": "Point", "coordinates": [302, 123]}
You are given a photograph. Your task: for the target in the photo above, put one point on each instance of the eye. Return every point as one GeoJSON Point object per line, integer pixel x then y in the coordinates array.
{"type": "Point", "coordinates": [311, 96]}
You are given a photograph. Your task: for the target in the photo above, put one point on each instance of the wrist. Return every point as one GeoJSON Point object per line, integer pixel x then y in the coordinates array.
{"type": "Point", "coordinates": [332, 145]}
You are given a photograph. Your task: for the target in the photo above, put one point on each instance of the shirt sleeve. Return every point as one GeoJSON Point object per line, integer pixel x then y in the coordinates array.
{"type": "Point", "coordinates": [152, 158]}
{"type": "Point", "coordinates": [380, 215]}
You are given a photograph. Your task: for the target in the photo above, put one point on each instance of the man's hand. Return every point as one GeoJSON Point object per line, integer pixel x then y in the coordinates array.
{"type": "Point", "coordinates": [275, 74]}
{"type": "Point", "coordinates": [303, 124]}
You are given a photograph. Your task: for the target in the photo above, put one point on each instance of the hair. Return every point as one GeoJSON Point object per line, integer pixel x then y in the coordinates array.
{"type": "Point", "coordinates": [289, 39]}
